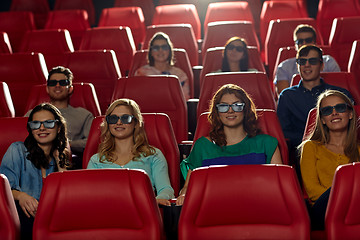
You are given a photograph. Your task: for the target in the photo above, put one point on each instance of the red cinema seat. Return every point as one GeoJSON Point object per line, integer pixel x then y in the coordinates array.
{"type": "Point", "coordinates": [9, 221]}
{"type": "Point", "coordinates": [272, 10]}
{"type": "Point", "coordinates": [330, 9]}
{"type": "Point", "coordinates": [227, 11]}
{"type": "Point", "coordinates": [40, 9]}
{"type": "Point", "coordinates": [98, 67]}
{"type": "Point", "coordinates": [342, 36]}
{"type": "Point", "coordinates": [342, 220]}
{"type": "Point", "coordinates": [262, 202]}
{"type": "Point", "coordinates": [124, 199]}
{"type": "Point", "coordinates": [181, 61]}
{"type": "Point", "coordinates": [21, 71]}
{"type": "Point", "coordinates": [157, 94]}
{"type": "Point", "coordinates": [181, 36]}
{"type": "Point", "coordinates": [256, 84]}
{"type": "Point", "coordinates": [131, 17]}
{"type": "Point", "coordinates": [147, 7]}
{"type": "Point", "coordinates": [280, 34]}
{"type": "Point", "coordinates": [84, 96]}
{"type": "Point", "coordinates": [341, 79]}
{"type": "Point", "coordinates": [160, 134]}
{"type": "Point", "coordinates": [16, 24]}
{"type": "Point", "coordinates": [5, 46]}
{"type": "Point", "coordinates": [213, 60]}
{"type": "Point", "coordinates": [268, 123]}
{"type": "Point", "coordinates": [178, 14]}
{"type": "Point", "coordinates": [6, 104]}
{"type": "Point", "coordinates": [118, 39]}
{"type": "Point", "coordinates": [86, 5]}
{"type": "Point", "coordinates": [354, 61]}
{"type": "Point", "coordinates": [13, 129]}
{"type": "Point", "coordinates": [76, 21]}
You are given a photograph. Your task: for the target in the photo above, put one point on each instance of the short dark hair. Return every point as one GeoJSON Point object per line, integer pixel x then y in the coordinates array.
{"type": "Point", "coordinates": [304, 28]}
{"type": "Point", "coordinates": [304, 51]}
{"type": "Point", "coordinates": [60, 69]}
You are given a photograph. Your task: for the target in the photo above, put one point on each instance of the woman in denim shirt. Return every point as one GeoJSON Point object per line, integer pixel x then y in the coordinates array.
{"type": "Point", "coordinates": [26, 164]}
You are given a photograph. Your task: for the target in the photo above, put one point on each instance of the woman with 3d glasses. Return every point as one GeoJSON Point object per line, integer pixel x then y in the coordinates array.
{"type": "Point", "coordinates": [332, 142]}
{"type": "Point", "coordinates": [124, 145]}
{"type": "Point", "coordinates": [27, 164]}
{"type": "Point", "coordinates": [161, 61]}
{"type": "Point", "coordinates": [235, 56]}
{"type": "Point", "coordinates": [234, 137]}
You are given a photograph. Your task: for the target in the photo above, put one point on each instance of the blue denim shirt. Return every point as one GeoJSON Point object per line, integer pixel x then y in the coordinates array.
{"type": "Point", "coordinates": [21, 172]}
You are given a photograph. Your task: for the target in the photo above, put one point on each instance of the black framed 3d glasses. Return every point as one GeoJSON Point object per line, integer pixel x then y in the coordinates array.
{"type": "Point", "coordinates": [238, 48]}
{"type": "Point", "coordinates": [339, 108]}
{"type": "Point", "coordinates": [125, 119]}
{"type": "Point", "coordinates": [164, 47]}
{"type": "Point", "coordinates": [301, 41]}
{"type": "Point", "coordinates": [224, 107]}
{"type": "Point", "coordinates": [63, 82]}
{"type": "Point", "coordinates": [49, 124]}
{"type": "Point", "coordinates": [312, 61]}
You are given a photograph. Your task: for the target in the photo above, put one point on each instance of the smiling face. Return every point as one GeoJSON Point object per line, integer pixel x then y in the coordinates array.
{"type": "Point", "coordinates": [335, 121]}
{"type": "Point", "coordinates": [120, 130]}
{"type": "Point", "coordinates": [44, 136]}
{"type": "Point", "coordinates": [310, 72]}
{"type": "Point", "coordinates": [231, 119]}
{"type": "Point", "coordinates": [160, 55]}
{"type": "Point", "coordinates": [59, 93]}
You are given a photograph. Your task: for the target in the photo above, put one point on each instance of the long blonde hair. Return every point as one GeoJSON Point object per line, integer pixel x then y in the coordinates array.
{"type": "Point", "coordinates": [141, 144]}
{"type": "Point", "coordinates": [320, 133]}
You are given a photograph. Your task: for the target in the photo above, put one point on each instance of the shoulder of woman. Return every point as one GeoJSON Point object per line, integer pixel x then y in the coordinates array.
{"type": "Point", "coordinates": [177, 70]}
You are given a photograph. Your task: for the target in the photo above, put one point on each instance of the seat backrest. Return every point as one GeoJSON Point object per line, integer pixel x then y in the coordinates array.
{"type": "Point", "coordinates": [21, 71]}
{"type": "Point", "coordinates": [5, 46]}
{"type": "Point", "coordinates": [219, 33]}
{"type": "Point", "coordinates": [341, 220]}
{"type": "Point", "coordinates": [39, 8]}
{"type": "Point", "coordinates": [12, 129]}
{"type": "Point", "coordinates": [124, 199]}
{"type": "Point", "coordinates": [76, 21]}
{"type": "Point", "coordinates": [160, 134]}
{"type": "Point", "coordinates": [181, 36]}
{"type": "Point", "coordinates": [256, 84]}
{"type": "Point", "coordinates": [157, 94]}
{"type": "Point", "coordinates": [147, 6]}
{"type": "Point", "coordinates": [86, 5]}
{"type": "Point", "coordinates": [268, 123]}
{"type": "Point", "coordinates": [84, 96]}
{"type": "Point", "coordinates": [9, 221]}
{"type": "Point", "coordinates": [342, 36]}
{"type": "Point", "coordinates": [272, 10]}
{"type": "Point", "coordinates": [267, 204]}
{"type": "Point", "coordinates": [212, 61]}
{"type": "Point", "coordinates": [178, 14]}
{"type": "Point", "coordinates": [280, 34]}
{"type": "Point", "coordinates": [354, 60]}
{"type": "Point", "coordinates": [227, 11]}
{"type": "Point", "coordinates": [330, 9]}
{"type": "Point", "coordinates": [98, 67]}
{"type": "Point", "coordinates": [341, 79]}
{"type": "Point", "coordinates": [131, 17]}
{"type": "Point", "coordinates": [16, 24]}
{"type": "Point", "coordinates": [6, 104]}
{"type": "Point", "coordinates": [47, 41]}
{"type": "Point", "coordinates": [118, 39]}
{"type": "Point", "coordinates": [181, 61]}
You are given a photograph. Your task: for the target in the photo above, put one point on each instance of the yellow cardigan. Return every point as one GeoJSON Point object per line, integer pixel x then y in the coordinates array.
{"type": "Point", "coordinates": [318, 165]}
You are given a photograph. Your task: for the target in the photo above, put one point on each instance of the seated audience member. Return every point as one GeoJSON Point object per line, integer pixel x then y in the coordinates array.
{"type": "Point", "coordinates": [295, 102]}
{"type": "Point", "coordinates": [161, 61]}
{"type": "Point", "coordinates": [27, 164]}
{"type": "Point", "coordinates": [60, 89]}
{"type": "Point", "coordinates": [332, 143]}
{"type": "Point", "coordinates": [124, 145]}
{"type": "Point", "coordinates": [303, 34]}
{"type": "Point", "coordinates": [234, 137]}
{"type": "Point", "coordinates": [235, 56]}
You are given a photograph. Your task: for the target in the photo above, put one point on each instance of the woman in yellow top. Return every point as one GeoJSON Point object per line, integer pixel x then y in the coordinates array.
{"type": "Point", "coordinates": [332, 143]}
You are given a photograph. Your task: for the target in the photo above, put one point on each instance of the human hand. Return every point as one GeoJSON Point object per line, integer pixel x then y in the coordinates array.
{"type": "Point", "coordinates": [163, 202]}
{"type": "Point", "coordinates": [180, 200]}
{"type": "Point", "coordinates": [28, 204]}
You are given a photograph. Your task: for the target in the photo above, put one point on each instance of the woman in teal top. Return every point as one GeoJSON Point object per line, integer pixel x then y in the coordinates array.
{"type": "Point", "coordinates": [234, 137]}
{"type": "Point", "coordinates": [124, 145]}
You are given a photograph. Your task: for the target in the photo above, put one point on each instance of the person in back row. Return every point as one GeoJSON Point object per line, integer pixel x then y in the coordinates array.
{"type": "Point", "coordinates": [234, 136]}
{"type": "Point", "coordinates": [161, 62]}
{"type": "Point", "coordinates": [235, 56]}
{"type": "Point", "coordinates": [303, 35]}
{"type": "Point", "coordinates": [60, 88]}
